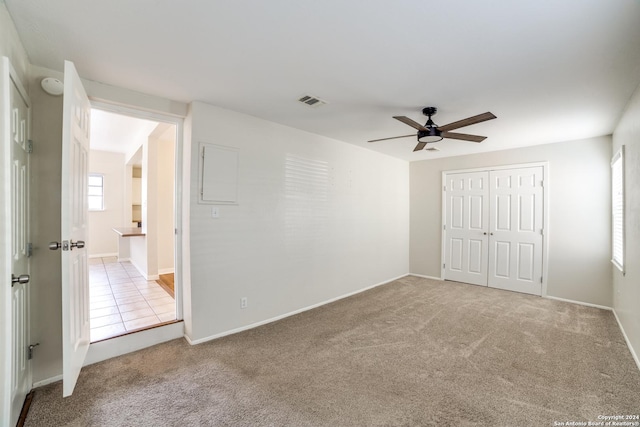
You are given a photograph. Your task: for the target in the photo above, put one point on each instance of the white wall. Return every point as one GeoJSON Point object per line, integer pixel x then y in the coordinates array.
{"type": "Point", "coordinates": [102, 240]}
{"type": "Point", "coordinates": [153, 254]}
{"type": "Point", "coordinates": [138, 255]}
{"type": "Point", "coordinates": [46, 297]}
{"type": "Point", "coordinates": [626, 288]}
{"type": "Point", "coordinates": [296, 238]}
{"type": "Point", "coordinates": [143, 248]}
{"type": "Point", "coordinates": [579, 213]}
{"type": "Point", "coordinates": [11, 46]}
{"type": "Point", "coordinates": [166, 206]}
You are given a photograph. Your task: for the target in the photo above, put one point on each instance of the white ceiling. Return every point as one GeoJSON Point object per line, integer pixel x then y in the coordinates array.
{"type": "Point", "coordinates": [117, 133]}
{"type": "Point", "coordinates": [550, 70]}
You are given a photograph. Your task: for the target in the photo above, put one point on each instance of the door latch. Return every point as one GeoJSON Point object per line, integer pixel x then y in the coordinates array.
{"type": "Point", "coordinates": [79, 244]}
{"type": "Point", "coordinates": [66, 245]}
{"type": "Point", "coordinates": [54, 246]}
{"type": "Point", "coordinates": [23, 278]}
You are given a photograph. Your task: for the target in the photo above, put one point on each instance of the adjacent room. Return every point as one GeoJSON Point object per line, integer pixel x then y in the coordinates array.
{"type": "Point", "coordinates": [320, 213]}
{"type": "Point", "coordinates": [131, 182]}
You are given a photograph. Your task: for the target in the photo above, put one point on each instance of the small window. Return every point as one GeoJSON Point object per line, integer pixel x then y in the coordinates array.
{"type": "Point", "coordinates": [96, 192]}
{"type": "Point", "coordinates": [617, 209]}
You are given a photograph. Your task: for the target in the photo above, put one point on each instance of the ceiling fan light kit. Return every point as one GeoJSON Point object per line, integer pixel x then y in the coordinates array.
{"type": "Point", "coordinates": [433, 135]}
{"type": "Point", "coordinates": [431, 132]}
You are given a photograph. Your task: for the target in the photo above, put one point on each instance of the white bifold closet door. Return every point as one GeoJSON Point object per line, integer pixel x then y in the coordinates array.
{"type": "Point", "coordinates": [466, 225]}
{"type": "Point", "coordinates": [493, 228]}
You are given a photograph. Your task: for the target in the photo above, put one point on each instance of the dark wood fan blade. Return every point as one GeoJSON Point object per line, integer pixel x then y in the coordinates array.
{"type": "Point", "coordinates": [393, 137]}
{"type": "Point", "coordinates": [420, 146]}
{"type": "Point", "coordinates": [468, 121]}
{"type": "Point", "coordinates": [412, 123]}
{"type": "Point", "coordinates": [463, 136]}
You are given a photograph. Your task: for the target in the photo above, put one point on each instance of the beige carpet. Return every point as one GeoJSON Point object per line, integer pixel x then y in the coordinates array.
{"type": "Point", "coordinates": [415, 352]}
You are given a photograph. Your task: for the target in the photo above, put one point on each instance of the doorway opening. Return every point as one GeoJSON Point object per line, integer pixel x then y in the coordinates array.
{"type": "Point", "coordinates": [132, 222]}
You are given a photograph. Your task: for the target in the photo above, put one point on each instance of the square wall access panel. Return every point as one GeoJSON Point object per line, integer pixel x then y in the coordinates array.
{"type": "Point", "coordinates": [218, 174]}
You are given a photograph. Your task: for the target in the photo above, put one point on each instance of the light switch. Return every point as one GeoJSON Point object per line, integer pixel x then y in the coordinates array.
{"type": "Point", "coordinates": [215, 212]}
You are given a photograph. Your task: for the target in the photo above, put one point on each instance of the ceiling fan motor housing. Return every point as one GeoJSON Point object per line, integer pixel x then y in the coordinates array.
{"type": "Point", "coordinates": [432, 134]}
{"type": "Point", "coordinates": [429, 111]}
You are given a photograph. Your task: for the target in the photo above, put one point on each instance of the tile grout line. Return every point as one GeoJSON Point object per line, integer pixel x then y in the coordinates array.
{"type": "Point", "coordinates": [118, 274]}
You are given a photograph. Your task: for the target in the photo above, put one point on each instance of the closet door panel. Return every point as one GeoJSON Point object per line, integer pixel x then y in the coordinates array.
{"type": "Point", "coordinates": [516, 223]}
{"type": "Point", "coordinates": [466, 222]}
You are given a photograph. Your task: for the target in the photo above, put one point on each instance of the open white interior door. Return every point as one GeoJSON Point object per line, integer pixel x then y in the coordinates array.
{"type": "Point", "coordinates": [75, 276]}
{"type": "Point", "coordinates": [15, 141]}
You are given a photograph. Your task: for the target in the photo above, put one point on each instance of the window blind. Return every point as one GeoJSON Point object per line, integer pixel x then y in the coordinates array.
{"type": "Point", "coordinates": [617, 209]}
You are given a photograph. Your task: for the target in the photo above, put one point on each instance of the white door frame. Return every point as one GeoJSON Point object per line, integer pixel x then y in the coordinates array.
{"type": "Point", "coordinates": [545, 213]}
{"type": "Point", "coordinates": [181, 249]}
{"type": "Point", "coordinates": [5, 255]}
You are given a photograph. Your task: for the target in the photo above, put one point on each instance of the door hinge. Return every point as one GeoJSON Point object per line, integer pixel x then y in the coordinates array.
{"type": "Point", "coordinates": [29, 251]}
{"type": "Point", "coordinates": [443, 265]}
{"type": "Point", "coordinates": [29, 146]}
{"type": "Point", "coordinates": [542, 231]}
{"type": "Point", "coordinates": [444, 188]}
{"type": "Point", "coordinates": [540, 279]}
{"type": "Point", "coordinates": [31, 347]}
{"type": "Point", "coordinates": [444, 227]}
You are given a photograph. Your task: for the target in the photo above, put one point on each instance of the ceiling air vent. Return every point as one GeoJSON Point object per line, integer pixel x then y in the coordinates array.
{"type": "Point", "coordinates": [312, 101]}
{"type": "Point", "coordinates": [432, 149]}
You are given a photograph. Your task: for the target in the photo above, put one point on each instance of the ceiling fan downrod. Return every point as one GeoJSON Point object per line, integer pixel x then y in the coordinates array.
{"type": "Point", "coordinates": [432, 133]}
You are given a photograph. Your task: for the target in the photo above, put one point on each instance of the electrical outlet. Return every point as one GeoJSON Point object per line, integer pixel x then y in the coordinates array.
{"type": "Point", "coordinates": [243, 302]}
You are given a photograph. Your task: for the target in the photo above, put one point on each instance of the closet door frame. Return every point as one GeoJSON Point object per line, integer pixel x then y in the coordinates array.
{"type": "Point", "coordinates": [545, 212]}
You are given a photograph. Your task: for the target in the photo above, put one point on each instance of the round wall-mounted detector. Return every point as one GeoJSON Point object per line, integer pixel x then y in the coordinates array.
{"type": "Point", "coordinates": [52, 86]}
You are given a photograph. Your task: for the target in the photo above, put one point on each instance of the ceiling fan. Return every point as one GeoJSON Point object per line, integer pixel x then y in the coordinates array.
{"type": "Point", "coordinates": [431, 132]}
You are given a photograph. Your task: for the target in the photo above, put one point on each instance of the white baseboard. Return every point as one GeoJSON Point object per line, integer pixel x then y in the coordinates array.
{"type": "Point", "coordinates": [47, 381]}
{"type": "Point", "coordinates": [107, 255]}
{"type": "Point", "coordinates": [282, 316]}
{"type": "Point", "coordinates": [166, 271]}
{"type": "Point", "coordinates": [144, 273]}
{"type": "Point", "coordinates": [626, 338]}
{"type": "Point", "coordinates": [587, 304]}
{"type": "Point", "coordinates": [425, 277]}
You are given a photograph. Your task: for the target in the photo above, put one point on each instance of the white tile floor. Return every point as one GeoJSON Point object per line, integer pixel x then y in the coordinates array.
{"type": "Point", "coordinates": [123, 301]}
